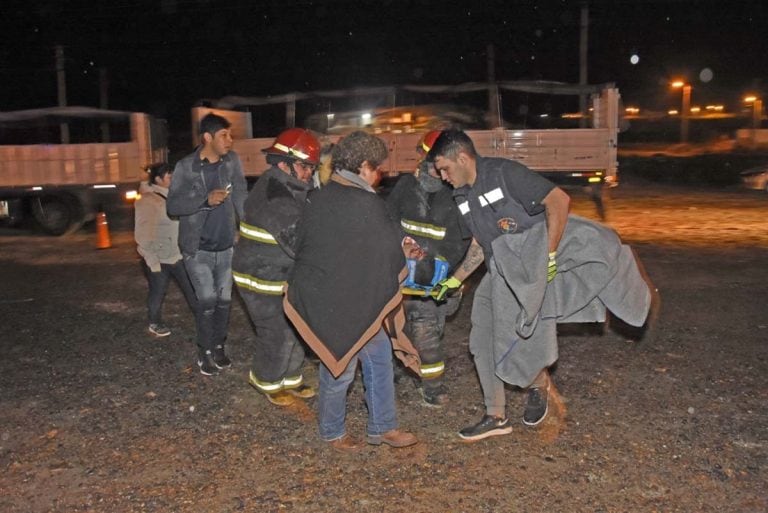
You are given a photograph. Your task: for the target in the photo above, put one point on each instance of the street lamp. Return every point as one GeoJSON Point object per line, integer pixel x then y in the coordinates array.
{"type": "Point", "coordinates": [757, 114]}
{"type": "Point", "coordinates": [685, 112]}
{"type": "Point", "coordinates": [757, 109]}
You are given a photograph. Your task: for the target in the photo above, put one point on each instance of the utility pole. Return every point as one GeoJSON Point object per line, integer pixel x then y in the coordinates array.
{"type": "Point", "coordinates": [104, 101]}
{"type": "Point", "coordinates": [290, 111]}
{"type": "Point", "coordinates": [685, 114]}
{"type": "Point", "coordinates": [61, 80]}
{"type": "Point", "coordinates": [583, 39]}
{"type": "Point", "coordinates": [494, 114]}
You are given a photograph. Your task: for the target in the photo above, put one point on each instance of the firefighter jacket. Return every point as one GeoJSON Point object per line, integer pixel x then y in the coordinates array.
{"type": "Point", "coordinates": [156, 235]}
{"type": "Point", "coordinates": [432, 219]}
{"type": "Point", "coordinates": [264, 253]}
{"type": "Point", "coordinates": [345, 283]}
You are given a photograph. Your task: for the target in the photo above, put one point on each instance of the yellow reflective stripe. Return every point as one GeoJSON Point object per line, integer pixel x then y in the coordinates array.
{"type": "Point", "coordinates": [423, 229]}
{"type": "Point", "coordinates": [293, 382]}
{"type": "Point", "coordinates": [265, 386]}
{"type": "Point", "coordinates": [246, 281]}
{"type": "Point", "coordinates": [291, 151]}
{"type": "Point", "coordinates": [433, 369]}
{"type": "Point", "coordinates": [255, 233]}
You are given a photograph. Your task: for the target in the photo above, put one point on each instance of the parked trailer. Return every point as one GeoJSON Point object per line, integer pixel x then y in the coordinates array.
{"type": "Point", "coordinates": [585, 157]}
{"type": "Point", "coordinates": [63, 185]}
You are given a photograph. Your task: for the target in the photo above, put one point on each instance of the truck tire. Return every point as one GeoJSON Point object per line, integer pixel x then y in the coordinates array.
{"type": "Point", "coordinates": [57, 215]}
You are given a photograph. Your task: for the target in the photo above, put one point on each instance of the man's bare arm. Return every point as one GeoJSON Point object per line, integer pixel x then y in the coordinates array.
{"type": "Point", "coordinates": [557, 204]}
{"type": "Point", "coordinates": [472, 261]}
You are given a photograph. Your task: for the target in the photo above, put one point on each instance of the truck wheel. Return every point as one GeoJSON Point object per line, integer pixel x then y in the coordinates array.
{"type": "Point", "coordinates": [57, 215]}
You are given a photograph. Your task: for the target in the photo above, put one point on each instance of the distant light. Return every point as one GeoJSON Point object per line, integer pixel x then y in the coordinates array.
{"type": "Point", "coordinates": [695, 110]}
{"type": "Point", "coordinates": [37, 188]}
{"type": "Point", "coordinates": [367, 118]}
{"type": "Point", "coordinates": [716, 108]}
{"type": "Point", "coordinates": [572, 115]}
{"type": "Point", "coordinates": [706, 75]}
{"type": "Point", "coordinates": [105, 186]}
{"type": "Point", "coordinates": [330, 116]}
{"type": "Point", "coordinates": [750, 99]}
{"type": "Point", "coordinates": [673, 112]}
{"type": "Point", "coordinates": [677, 84]}
{"type": "Point", "coordinates": [132, 195]}
{"type": "Point", "coordinates": [632, 110]}
{"type": "Point", "coordinates": [634, 59]}
{"type": "Point", "coordinates": [543, 115]}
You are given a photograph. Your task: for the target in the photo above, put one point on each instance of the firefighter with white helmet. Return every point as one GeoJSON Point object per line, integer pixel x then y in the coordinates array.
{"type": "Point", "coordinates": [264, 257]}
{"type": "Point", "coordinates": [429, 220]}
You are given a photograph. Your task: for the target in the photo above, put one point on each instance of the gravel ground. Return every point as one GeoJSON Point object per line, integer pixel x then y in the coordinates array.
{"type": "Point", "coordinates": [97, 416]}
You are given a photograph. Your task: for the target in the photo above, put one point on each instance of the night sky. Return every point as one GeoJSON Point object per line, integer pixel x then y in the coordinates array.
{"type": "Point", "coordinates": [163, 56]}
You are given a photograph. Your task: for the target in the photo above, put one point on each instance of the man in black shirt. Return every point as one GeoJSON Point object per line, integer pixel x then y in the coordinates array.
{"type": "Point", "coordinates": [207, 195]}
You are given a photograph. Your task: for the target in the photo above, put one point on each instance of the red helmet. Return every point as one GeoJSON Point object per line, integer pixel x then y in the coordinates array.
{"type": "Point", "coordinates": [296, 143]}
{"type": "Point", "coordinates": [426, 142]}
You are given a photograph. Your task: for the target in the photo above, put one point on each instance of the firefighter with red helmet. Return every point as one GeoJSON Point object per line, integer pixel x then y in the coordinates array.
{"type": "Point", "coordinates": [263, 259]}
{"type": "Point", "coordinates": [430, 221]}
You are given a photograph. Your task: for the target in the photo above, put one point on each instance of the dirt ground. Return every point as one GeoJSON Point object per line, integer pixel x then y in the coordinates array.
{"type": "Point", "coordinates": [97, 416]}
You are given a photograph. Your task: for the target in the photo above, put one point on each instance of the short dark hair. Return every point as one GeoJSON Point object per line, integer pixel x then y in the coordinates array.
{"type": "Point", "coordinates": [450, 143]}
{"type": "Point", "coordinates": [158, 170]}
{"type": "Point", "coordinates": [212, 123]}
{"type": "Point", "coordinates": [356, 148]}
{"type": "Point", "coordinates": [273, 159]}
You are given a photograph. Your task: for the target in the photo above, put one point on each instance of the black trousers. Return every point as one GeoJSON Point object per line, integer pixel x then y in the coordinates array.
{"type": "Point", "coordinates": [425, 325]}
{"type": "Point", "coordinates": [278, 352]}
{"type": "Point", "coordinates": [158, 286]}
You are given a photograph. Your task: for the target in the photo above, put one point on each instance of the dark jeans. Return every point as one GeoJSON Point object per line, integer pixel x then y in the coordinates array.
{"type": "Point", "coordinates": [158, 286]}
{"type": "Point", "coordinates": [211, 275]}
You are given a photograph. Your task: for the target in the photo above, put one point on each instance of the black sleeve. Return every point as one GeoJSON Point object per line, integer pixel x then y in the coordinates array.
{"type": "Point", "coordinates": [399, 194]}
{"type": "Point", "coordinates": [527, 187]}
{"type": "Point", "coordinates": [282, 215]}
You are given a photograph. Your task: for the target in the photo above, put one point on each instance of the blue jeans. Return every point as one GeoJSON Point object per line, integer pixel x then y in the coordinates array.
{"type": "Point", "coordinates": [211, 275]}
{"type": "Point", "coordinates": [378, 378]}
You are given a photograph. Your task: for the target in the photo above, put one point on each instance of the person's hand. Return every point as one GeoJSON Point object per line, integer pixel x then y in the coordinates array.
{"type": "Point", "coordinates": [551, 266]}
{"type": "Point", "coordinates": [412, 249]}
{"type": "Point", "coordinates": [447, 285]}
{"type": "Point", "coordinates": [217, 196]}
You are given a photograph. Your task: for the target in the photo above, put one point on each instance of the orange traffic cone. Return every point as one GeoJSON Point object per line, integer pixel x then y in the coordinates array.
{"type": "Point", "coordinates": [102, 232]}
